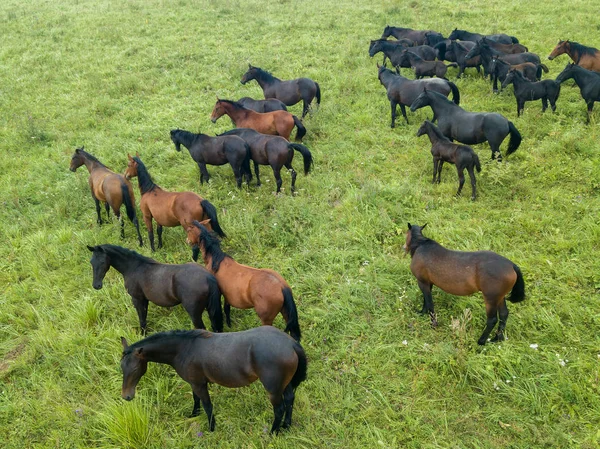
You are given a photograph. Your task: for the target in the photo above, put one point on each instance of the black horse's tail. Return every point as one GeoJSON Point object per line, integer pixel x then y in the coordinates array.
{"type": "Point", "coordinates": [246, 163]}
{"type": "Point", "coordinates": [517, 294]}
{"type": "Point", "coordinates": [301, 129]}
{"type": "Point", "coordinates": [543, 66]}
{"type": "Point", "coordinates": [455, 92]}
{"type": "Point", "coordinates": [211, 212]}
{"type": "Point", "coordinates": [129, 206]}
{"type": "Point", "coordinates": [215, 312]}
{"type": "Point", "coordinates": [514, 40]}
{"type": "Point", "coordinates": [306, 155]}
{"type": "Point", "coordinates": [300, 374]}
{"type": "Point", "coordinates": [477, 163]}
{"type": "Point", "coordinates": [515, 139]}
{"type": "Point", "coordinates": [318, 94]}
{"type": "Point", "coordinates": [289, 307]}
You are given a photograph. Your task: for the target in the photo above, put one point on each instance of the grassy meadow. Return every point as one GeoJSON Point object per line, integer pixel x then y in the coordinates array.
{"type": "Point", "coordinates": [116, 76]}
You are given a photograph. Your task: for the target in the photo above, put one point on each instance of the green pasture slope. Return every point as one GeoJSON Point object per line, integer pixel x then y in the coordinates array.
{"type": "Point", "coordinates": [116, 76]}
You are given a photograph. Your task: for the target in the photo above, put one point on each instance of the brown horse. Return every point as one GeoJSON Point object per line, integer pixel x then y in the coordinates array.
{"type": "Point", "coordinates": [109, 187]}
{"type": "Point", "coordinates": [464, 273]}
{"type": "Point", "coordinates": [278, 123]}
{"type": "Point", "coordinates": [168, 208]}
{"type": "Point", "coordinates": [583, 56]}
{"type": "Point", "coordinates": [233, 359]}
{"type": "Point", "coordinates": [242, 286]}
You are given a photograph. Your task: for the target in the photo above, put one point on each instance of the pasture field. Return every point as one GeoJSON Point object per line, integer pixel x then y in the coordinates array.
{"type": "Point", "coordinates": [116, 76]}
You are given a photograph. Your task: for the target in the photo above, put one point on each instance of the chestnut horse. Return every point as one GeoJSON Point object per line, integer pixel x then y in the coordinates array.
{"type": "Point", "coordinates": [278, 123]}
{"type": "Point", "coordinates": [168, 208]}
{"type": "Point", "coordinates": [583, 56]}
{"type": "Point", "coordinates": [109, 187]}
{"type": "Point", "coordinates": [464, 273]}
{"type": "Point", "coordinates": [242, 286]}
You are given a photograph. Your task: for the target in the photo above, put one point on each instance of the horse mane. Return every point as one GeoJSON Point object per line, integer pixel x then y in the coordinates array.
{"type": "Point", "coordinates": [582, 49]}
{"type": "Point", "coordinates": [178, 334]}
{"type": "Point", "coordinates": [235, 104]}
{"type": "Point", "coordinates": [264, 75]}
{"type": "Point", "coordinates": [89, 156]}
{"type": "Point", "coordinates": [128, 253]}
{"type": "Point", "coordinates": [212, 246]}
{"type": "Point", "coordinates": [418, 239]}
{"type": "Point", "coordinates": [144, 178]}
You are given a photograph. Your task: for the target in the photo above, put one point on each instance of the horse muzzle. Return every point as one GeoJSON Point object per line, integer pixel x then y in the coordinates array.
{"type": "Point", "coordinates": [72, 169]}
{"type": "Point", "coordinates": [127, 396]}
{"type": "Point", "coordinates": [214, 120]}
{"type": "Point", "coordinates": [97, 285]}
{"type": "Point", "coordinates": [550, 57]}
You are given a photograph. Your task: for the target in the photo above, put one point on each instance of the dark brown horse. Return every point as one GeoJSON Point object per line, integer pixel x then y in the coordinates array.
{"type": "Point", "coordinates": [525, 90]}
{"type": "Point", "coordinates": [464, 273]}
{"type": "Point", "coordinates": [165, 285]}
{"type": "Point", "coordinates": [168, 208]}
{"type": "Point", "coordinates": [233, 359]}
{"type": "Point", "coordinates": [289, 92]}
{"type": "Point", "coordinates": [274, 151]}
{"type": "Point", "coordinates": [278, 123]}
{"type": "Point", "coordinates": [268, 105]}
{"type": "Point", "coordinates": [109, 187]}
{"type": "Point", "coordinates": [464, 35]}
{"type": "Point", "coordinates": [417, 36]}
{"type": "Point", "coordinates": [427, 68]}
{"type": "Point", "coordinates": [583, 56]}
{"type": "Point", "coordinates": [245, 287]}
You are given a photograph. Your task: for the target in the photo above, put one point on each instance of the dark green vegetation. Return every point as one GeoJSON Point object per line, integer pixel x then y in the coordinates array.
{"type": "Point", "coordinates": [117, 76]}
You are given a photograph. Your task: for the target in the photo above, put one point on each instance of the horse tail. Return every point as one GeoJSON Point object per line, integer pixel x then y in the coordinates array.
{"type": "Point", "coordinates": [215, 312]}
{"type": "Point", "coordinates": [455, 92]}
{"type": "Point", "coordinates": [129, 206]}
{"type": "Point", "coordinates": [246, 162]}
{"type": "Point", "coordinates": [211, 212]}
{"type": "Point", "coordinates": [514, 40]}
{"type": "Point", "coordinates": [306, 155]}
{"type": "Point", "coordinates": [515, 139]}
{"type": "Point", "coordinates": [300, 374]}
{"type": "Point", "coordinates": [318, 94]}
{"type": "Point", "coordinates": [538, 72]}
{"type": "Point", "coordinates": [517, 294]}
{"type": "Point", "coordinates": [477, 163]}
{"type": "Point", "coordinates": [301, 129]}
{"type": "Point", "coordinates": [289, 307]}
{"type": "Point", "coordinates": [543, 66]}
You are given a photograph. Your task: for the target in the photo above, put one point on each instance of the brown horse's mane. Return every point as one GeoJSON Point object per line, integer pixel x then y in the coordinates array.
{"type": "Point", "coordinates": [418, 239]}
{"type": "Point", "coordinates": [88, 156]}
{"type": "Point", "coordinates": [126, 253]}
{"type": "Point", "coordinates": [212, 246]}
{"type": "Point", "coordinates": [582, 49]}
{"type": "Point", "coordinates": [179, 334]}
{"type": "Point", "coordinates": [144, 178]}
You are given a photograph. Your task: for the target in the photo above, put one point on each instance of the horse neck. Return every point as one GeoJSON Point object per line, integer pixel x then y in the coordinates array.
{"type": "Point", "coordinates": [438, 104]}
{"type": "Point", "coordinates": [123, 264]}
{"type": "Point", "coordinates": [519, 80]}
{"type": "Point", "coordinates": [264, 79]}
{"type": "Point", "coordinates": [434, 137]}
{"type": "Point", "coordinates": [235, 114]}
{"type": "Point", "coordinates": [92, 165]}
{"type": "Point", "coordinates": [145, 182]}
{"type": "Point", "coordinates": [166, 350]}
{"type": "Point", "coordinates": [387, 77]}
{"type": "Point", "coordinates": [187, 138]}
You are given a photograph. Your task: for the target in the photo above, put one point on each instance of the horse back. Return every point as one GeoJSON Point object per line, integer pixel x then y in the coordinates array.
{"type": "Point", "coordinates": [167, 285]}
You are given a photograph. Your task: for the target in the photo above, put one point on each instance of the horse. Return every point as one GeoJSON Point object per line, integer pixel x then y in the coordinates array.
{"type": "Point", "coordinates": [242, 286]}
{"type": "Point", "coordinates": [443, 150]}
{"type": "Point", "coordinates": [109, 187]}
{"type": "Point", "coordinates": [417, 36]}
{"type": "Point", "coordinates": [403, 91]}
{"type": "Point", "coordinates": [499, 70]}
{"type": "Point", "coordinates": [268, 105]}
{"type": "Point", "coordinates": [400, 43]}
{"type": "Point", "coordinates": [464, 273]}
{"type": "Point", "coordinates": [432, 38]}
{"type": "Point", "coordinates": [588, 82]}
{"type": "Point", "coordinates": [469, 127]}
{"type": "Point", "coordinates": [289, 92]}
{"type": "Point", "coordinates": [166, 285]}
{"type": "Point", "coordinates": [427, 68]}
{"type": "Point", "coordinates": [459, 50]}
{"type": "Point", "coordinates": [232, 359]}
{"type": "Point", "coordinates": [464, 35]}
{"type": "Point", "coordinates": [507, 49]}
{"type": "Point", "coordinates": [278, 123]}
{"type": "Point", "coordinates": [525, 90]}
{"type": "Point", "coordinates": [274, 151]}
{"type": "Point", "coordinates": [168, 208]}
{"type": "Point", "coordinates": [395, 52]}
{"type": "Point", "coordinates": [583, 56]}
{"type": "Point", "coordinates": [487, 53]}
{"type": "Point", "coordinates": [205, 149]}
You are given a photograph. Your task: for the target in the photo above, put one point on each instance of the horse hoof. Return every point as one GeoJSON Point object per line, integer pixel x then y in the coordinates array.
{"type": "Point", "coordinates": [498, 337]}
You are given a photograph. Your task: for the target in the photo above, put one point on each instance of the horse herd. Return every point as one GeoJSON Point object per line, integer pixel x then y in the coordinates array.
{"type": "Point", "coordinates": [262, 133]}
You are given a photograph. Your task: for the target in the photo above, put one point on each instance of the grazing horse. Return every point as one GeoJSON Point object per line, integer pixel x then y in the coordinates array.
{"type": "Point", "coordinates": [588, 82]}
{"type": "Point", "coordinates": [443, 150]}
{"type": "Point", "coordinates": [417, 36]}
{"type": "Point", "coordinates": [278, 123]}
{"type": "Point", "coordinates": [109, 187]}
{"type": "Point", "coordinates": [500, 68]}
{"type": "Point", "coordinates": [274, 151]}
{"type": "Point", "coordinates": [525, 90]}
{"type": "Point", "coordinates": [168, 208]}
{"type": "Point", "coordinates": [501, 38]}
{"type": "Point", "coordinates": [268, 105]}
{"type": "Point", "coordinates": [205, 149]}
{"type": "Point", "coordinates": [583, 56]}
{"type": "Point", "coordinates": [403, 91]}
{"type": "Point", "coordinates": [232, 359]}
{"type": "Point", "coordinates": [166, 285]}
{"type": "Point", "coordinates": [426, 68]}
{"type": "Point", "coordinates": [469, 127]}
{"type": "Point", "coordinates": [289, 92]}
{"type": "Point", "coordinates": [464, 273]}
{"type": "Point", "coordinates": [245, 287]}
{"type": "Point", "coordinates": [395, 52]}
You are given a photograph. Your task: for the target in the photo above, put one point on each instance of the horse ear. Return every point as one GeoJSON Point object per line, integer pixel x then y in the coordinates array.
{"type": "Point", "coordinates": [91, 248]}
{"type": "Point", "coordinates": [409, 226]}
{"type": "Point", "coordinates": [423, 227]}
{"type": "Point", "coordinates": [124, 343]}
{"type": "Point", "coordinates": [378, 66]}
{"type": "Point", "coordinates": [129, 157]}
{"type": "Point", "coordinates": [249, 65]}
{"type": "Point", "coordinates": [137, 154]}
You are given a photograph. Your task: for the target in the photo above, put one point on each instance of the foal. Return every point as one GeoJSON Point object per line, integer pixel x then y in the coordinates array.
{"type": "Point", "coordinates": [525, 90]}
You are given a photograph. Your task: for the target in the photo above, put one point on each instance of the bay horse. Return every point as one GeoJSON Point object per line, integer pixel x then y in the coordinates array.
{"type": "Point", "coordinates": [525, 90]}
{"type": "Point", "coordinates": [242, 286]}
{"type": "Point", "coordinates": [426, 68]}
{"type": "Point", "coordinates": [205, 149]}
{"type": "Point", "coordinates": [470, 127]}
{"type": "Point", "coordinates": [588, 82]}
{"type": "Point", "coordinates": [499, 70]}
{"type": "Point", "coordinates": [464, 273]}
{"type": "Point", "coordinates": [232, 359]}
{"type": "Point", "coordinates": [403, 91]}
{"type": "Point", "coordinates": [417, 36]}
{"type": "Point", "coordinates": [165, 285]}
{"type": "Point", "coordinates": [108, 187]}
{"type": "Point", "coordinates": [395, 52]}
{"type": "Point", "coordinates": [583, 56]}
{"type": "Point", "coordinates": [168, 208]}
{"type": "Point", "coordinates": [274, 151]}
{"type": "Point", "coordinates": [288, 92]}
{"type": "Point", "coordinates": [443, 150]}
{"type": "Point", "coordinates": [278, 123]}
{"type": "Point", "coordinates": [268, 105]}
{"type": "Point", "coordinates": [500, 38]}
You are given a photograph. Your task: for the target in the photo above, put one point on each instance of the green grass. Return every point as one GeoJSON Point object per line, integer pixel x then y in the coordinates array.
{"type": "Point", "coordinates": [117, 76]}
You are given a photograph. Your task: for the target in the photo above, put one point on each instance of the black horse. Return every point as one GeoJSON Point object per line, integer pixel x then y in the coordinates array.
{"type": "Point", "coordinates": [525, 90]}
{"type": "Point", "coordinates": [588, 82]}
{"type": "Point", "coordinates": [403, 91]}
{"type": "Point", "coordinates": [464, 35]}
{"type": "Point", "coordinates": [417, 36]}
{"type": "Point", "coordinates": [470, 127]}
{"type": "Point", "coordinates": [218, 150]}
{"type": "Point", "coordinates": [459, 50]}
{"type": "Point", "coordinates": [395, 52]}
{"type": "Point", "coordinates": [400, 43]}
{"type": "Point", "coordinates": [269, 105]}
{"type": "Point", "coordinates": [487, 53]}
{"type": "Point", "coordinates": [499, 70]}
{"type": "Point", "coordinates": [432, 38]}
{"type": "Point", "coordinates": [426, 68]}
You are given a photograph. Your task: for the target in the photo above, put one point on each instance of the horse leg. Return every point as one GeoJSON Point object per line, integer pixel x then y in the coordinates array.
{"type": "Point", "coordinates": [304, 107]}
{"type": "Point", "coordinates": [148, 223]}
{"type": "Point", "coordinates": [227, 310]}
{"type": "Point", "coordinates": [503, 313]}
{"type": "Point", "coordinates": [278, 409]}
{"type": "Point", "coordinates": [277, 174]}
{"type": "Point", "coordinates": [427, 301]}
{"type": "Point", "coordinates": [141, 307]}
{"type": "Point", "coordinates": [495, 81]}
{"type": "Point", "coordinates": [473, 182]}
{"type": "Point", "coordinates": [544, 103]}
{"type": "Point", "coordinates": [107, 207]}
{"type": "Point", "coordinates": [440, 165]}
{"type": "Point", "coordinates": [256, 173]}
{"type": "Point", "coordinates": [201, 392]}
{"type": "Point", "coordinates": [288, 398]}
{"type": "Point", "coordinates": [491, 309]}
{"type": "Point", "coordinates": [435, 169]}
{"type": "Point", "coordinates": [194, 309]}
{"type": "Point", "coordinates": [237, 172]}
{"type": "Point", "coordinates": [293, 173]}
{"type": "Point", "coordinates": [461, 179]}
{"type": "Point", "coordinates": [204, 176]}
{"type": "Point", "coordinates": [495, 147]}
{"type": "Point", "coordinates": [99, 220]}
{"type": "Point", "coordinates": [393, 104]}
{"type": "Point", "coordinates": [403, 109]}
{"type": "Point", "coordinates": [122, 222]}
{"type": "Point", "coordinates": [137, 228]}
{"type": "Point", "coordinates": [159, 230]}
{"type": "Point", "coordinates": [590, 106]}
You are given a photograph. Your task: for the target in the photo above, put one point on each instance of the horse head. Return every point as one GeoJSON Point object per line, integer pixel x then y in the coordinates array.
{"type": "Point", "coordinates": [565, 74]}
{"type": "Point", "coordinates": [131, 170]}
{"type": "Point", "coordinates": [421, 101]}
{"type": "Point", "coordinates": [76, 160]}
{"type": "Point", "coordinates": [250, 74]}
{"type": "Point", "coordinates": [133, 365]}
{"type": "Point", "coordinates": [100, 265]}
{"type": "Point", "coordinates": [175, 140]}
{"type": "Point", "coordinates": [561, 47]}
